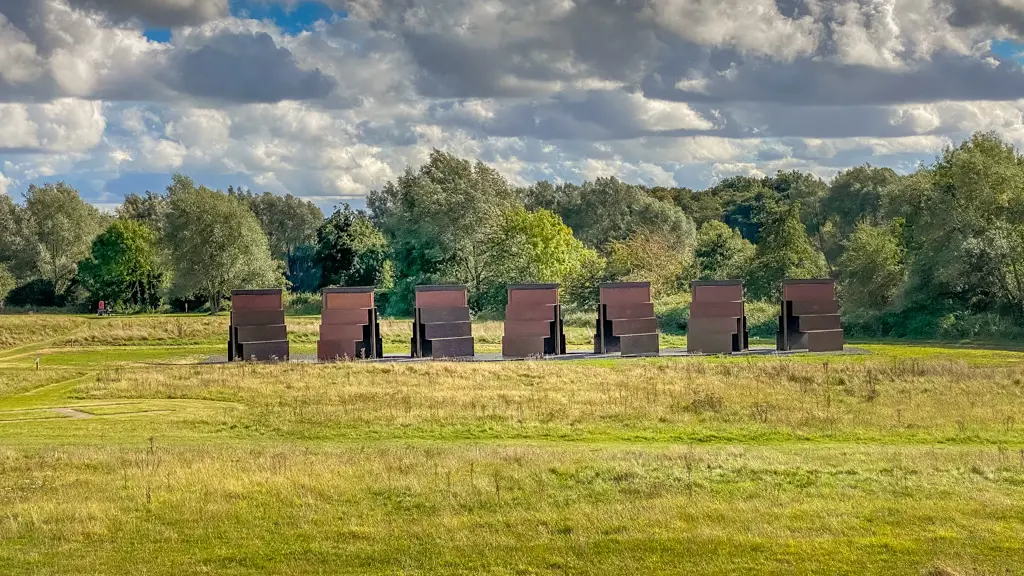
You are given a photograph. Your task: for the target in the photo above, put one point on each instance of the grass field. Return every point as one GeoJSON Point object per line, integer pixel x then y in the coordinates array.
{"type": "Point", "coordinates": [121, 455]}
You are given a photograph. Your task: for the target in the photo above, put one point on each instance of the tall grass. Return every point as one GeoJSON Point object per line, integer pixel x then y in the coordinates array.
{"type": "Point", "coordinates": [909, 461]}
{"type": "Point", "coordinates": [19, 330]}
{"type": "Point", "coordinates": [912, 402]}
{"type": "Point", "coordinates": [650, 467]}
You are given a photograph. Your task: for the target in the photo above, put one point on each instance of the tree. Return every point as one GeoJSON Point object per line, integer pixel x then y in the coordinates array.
{"type": "Point", "coordinates": [783, 251]}
{"type": "Point", "coordinates": [62, 226]}
{"type": "Point", "coordinates": [7, 283]}
{"type": "Point", "coordinates": [149, 209]}
{"type": "Point", "coordinates": [351, 251]}
{"type": "Point", "coordinates": [653, 257]}
{"type": "Point", "coordinates": [289, 222]}
{"type": "Point", "coordinates": [122, 269]}
{"type": "Point", "coordinates": [303, 271]}
{"type": "Point", "coordinates": [37, 293]}
{"type": "Point", "coordinates": [721, 253]}
{"type": "Point", "coordinates": [215, 244]}
{"type": "Point", "coordinates": [872, 270]}
{"type": "Point", "coordinates": [436, 219]}
{"type": "Point", "coordinates": [969, 232]}
{"type": "Point", "coordinates": [531, 247]}
{"type": "Point", "coordinates": [742, 198]}
{"type": "Point", "coordinates": [17, 253]}
{"type": "Point", "coordinates": [608, 210]}
{"type": "Point", "coordinates": [810, 192]}
{"type": "Point", "coordinates": [856, 195]}
{"type": "Point", "coordinates": [702, 206]}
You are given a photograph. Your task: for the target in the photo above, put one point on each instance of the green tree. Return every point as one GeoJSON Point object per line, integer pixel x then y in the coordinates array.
{"type": "Point", "coordinates": [531, 247]}
{"type": "Point", "coordinates": [969, 230]}
{"type": "Point", "coordinates": [721, 253]}
{"type": "Point", "coordinates": [742, 198]}
{"type": "Point", "coordinates": [17, 252]}
{"type": "Point", "coordinates": [783, 251]}
{"type": "Point", "coordinates": [872, 268]}
{"type": "Point", "coordinates": [215, 244]}
{"type": "Point", "coordinates": [351, 251]}
{"type": "Point", "coordinates": [149, 209]}
{"type": "Point", "coordinates": [703, 206]}
{"type": "Point", "coordinates": [289, 222]}
{"type": "Point", "coordinates": [122, 269]}
{"type": "Point", "coordinates": [608, 210]}
{"type": "Point", "coordinates": [856, 195]}
{"type": "Point", "coordinates": [654, 257]}
{"type": "Point", "coordinates": [60, 227]}
{"type": "Point", "coordinates": [437, 219]}
{"type": "Point", "coordinates": [304, 272]}
{"type": "Point", "coordinates": [7, 283]}
{"type": "Point", "coordinates": [810, 192]}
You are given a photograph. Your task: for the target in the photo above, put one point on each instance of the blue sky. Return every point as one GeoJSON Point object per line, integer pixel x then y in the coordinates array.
{"type": "Point", "coordinates": [293, 19]}
{"type": "Point", "coordinates": [1008, 49]}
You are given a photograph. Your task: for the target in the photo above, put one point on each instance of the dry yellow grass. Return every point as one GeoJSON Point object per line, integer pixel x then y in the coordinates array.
{"type": "Point", "coordinates": [659, 400]}
{"type": "Point", "coordinates": [432, 509]}
{"type": "Point", "coordinates": [907, 461]}
{"type": "Point", "coordinates": [17, 331]}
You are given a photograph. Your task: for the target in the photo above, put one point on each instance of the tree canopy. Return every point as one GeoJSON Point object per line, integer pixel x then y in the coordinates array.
{"type": "Point", "coordinates": [437, 219]}
{"type": "Point", "coordinates": [721, 253]}
{"type": "Point", "coordinates": [60, 228]}
{"type": "Point", "coordinates": [925, 249]}
{"type": "Point", "coordinates": [7, 283]}
{"type": "Point", "coordinates": [351, 251]}
{"type": "Point", "coordinates": [215, 244]}
{"type": "Point", "coordinates": [783, 251]}
{"type": "Point", "coordinates": [531, 247]}
{"type": "Point", "coordinates": [122, 269]}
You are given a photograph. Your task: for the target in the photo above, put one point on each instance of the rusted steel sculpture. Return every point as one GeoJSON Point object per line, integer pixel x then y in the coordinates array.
{"type": "Point", "coordinates": [257, 330]}
{"type": "Point", "coordinates": [349, 328]}
{"type": "Point", "coordinates": [718, 321]}
{"type": "Point", "coordinates": [533, 322]}
{"type": "Point", "coordinates": [625, 320]}
{"type": "Point", "coordinates": [441, 327]}
{"type": "Point", "coordinates": [810, 317]}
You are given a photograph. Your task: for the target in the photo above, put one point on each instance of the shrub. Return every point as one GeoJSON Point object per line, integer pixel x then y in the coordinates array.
{"type": "Point", "coordinates": [38, 293]}
{"type": "Point", "coordinates": [303, 304]}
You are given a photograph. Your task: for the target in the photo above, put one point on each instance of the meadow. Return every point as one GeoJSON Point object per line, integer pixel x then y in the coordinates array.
{"type": "Point", "coordinates": [122, 452]}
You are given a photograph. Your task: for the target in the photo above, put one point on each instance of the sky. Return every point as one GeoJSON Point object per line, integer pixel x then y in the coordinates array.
{"type": "Point", "coordinates": [330, 99]}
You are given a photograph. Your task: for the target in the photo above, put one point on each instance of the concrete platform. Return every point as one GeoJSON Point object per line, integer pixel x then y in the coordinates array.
{"type": "Point", "coordinates": [497, 357]}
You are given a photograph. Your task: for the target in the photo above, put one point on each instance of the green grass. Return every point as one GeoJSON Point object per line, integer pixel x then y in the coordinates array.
{"type": "Point", "coordinates": [905, 460]}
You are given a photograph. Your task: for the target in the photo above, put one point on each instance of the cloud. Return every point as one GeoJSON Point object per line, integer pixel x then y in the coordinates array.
{"type": "Point", "coordinates": [246, 68]}
{"type": "Point", "coordinates": [159, 13]}
{"type": "Point", "coordinates": [19, 62]}
{"type": "Point", "coordinates": [68, 125]}
{"type": "Point", "coordinates": [67, 52]}
{"type": "Point", "coordinates": [991, 13]}
{"type": "Point", "coordinates": [56, 51]}
{"type": "Point", "coordinates": [749, 26]}
{"type": "Point", "coordinates": [653, 91]}
{"type": "Point", "coordinates": [591, 115]}
{"type": "Point", "coordinates": [813, 82]}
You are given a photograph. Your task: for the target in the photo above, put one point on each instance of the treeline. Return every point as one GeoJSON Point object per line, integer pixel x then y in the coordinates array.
{"type": "Point", "coordinates": [935, 253]}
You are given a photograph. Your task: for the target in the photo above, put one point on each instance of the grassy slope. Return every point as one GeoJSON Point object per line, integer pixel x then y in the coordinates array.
{"type": "Point", "coordinates": [906, 460]}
